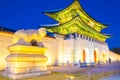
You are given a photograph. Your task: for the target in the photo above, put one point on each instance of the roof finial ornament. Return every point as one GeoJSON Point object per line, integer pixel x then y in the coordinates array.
{"type": "Point", "coordinates": [76, 0]}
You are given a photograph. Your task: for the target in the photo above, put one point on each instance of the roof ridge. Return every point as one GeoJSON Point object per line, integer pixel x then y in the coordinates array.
{"type": "Point", "coordinates": [6, 29]}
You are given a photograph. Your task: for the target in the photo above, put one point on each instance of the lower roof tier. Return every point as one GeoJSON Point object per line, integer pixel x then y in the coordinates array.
{"type": "Point", "coordinates": [76, 25]}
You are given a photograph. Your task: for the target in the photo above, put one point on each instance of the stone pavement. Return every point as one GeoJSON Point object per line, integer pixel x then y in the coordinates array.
{"type": "Point", "coordinates": [104, 68]}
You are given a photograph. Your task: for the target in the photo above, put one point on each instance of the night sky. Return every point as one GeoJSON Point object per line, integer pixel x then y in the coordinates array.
{"type": "Point", "coordinates": [27, 14]}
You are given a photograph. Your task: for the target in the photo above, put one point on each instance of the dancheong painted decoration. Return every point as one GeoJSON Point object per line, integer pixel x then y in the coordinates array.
{"type": "Point", "coordinates": [74, 19]}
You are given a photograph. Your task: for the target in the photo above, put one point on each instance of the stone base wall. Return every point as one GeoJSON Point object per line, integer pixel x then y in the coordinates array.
{"type": "Point", "coordinates": [71, 50]}
{"type": "Point", "coordinates": [27, 75]}
{"type": "Point", "coordinates": [90, 50]}
{"type": "Point", "coordinates": [25, 67]}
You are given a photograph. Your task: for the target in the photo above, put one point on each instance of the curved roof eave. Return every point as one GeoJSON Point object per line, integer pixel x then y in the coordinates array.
{"type": "Point", "coordinates": [58, 10]}
{"type": "Point", "coordinates": [70, 22]}
{"type": "Point", "coordinates": [51, 12]}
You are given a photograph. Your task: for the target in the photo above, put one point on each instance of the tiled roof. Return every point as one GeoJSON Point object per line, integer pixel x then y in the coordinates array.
{"type": "Point", "coordinates": [6, 29]}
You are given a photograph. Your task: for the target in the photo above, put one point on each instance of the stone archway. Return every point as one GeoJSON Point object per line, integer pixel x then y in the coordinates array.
{"type": "Point", "coordinates": [85, 55]}
{"type": "Point", "coordinates": [96, 55]}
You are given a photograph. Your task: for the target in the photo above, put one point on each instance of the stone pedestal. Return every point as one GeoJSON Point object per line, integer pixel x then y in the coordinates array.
{"type": "Point", "coordinates": [27, 75]}
{"type": "Point", "coordinates": [26, 61]}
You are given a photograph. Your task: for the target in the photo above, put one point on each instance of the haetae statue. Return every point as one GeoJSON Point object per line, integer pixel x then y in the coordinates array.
{"type": "Point", "coordinates": [27, 37]}
{"type": "Point", "coordinates": [27, 57]}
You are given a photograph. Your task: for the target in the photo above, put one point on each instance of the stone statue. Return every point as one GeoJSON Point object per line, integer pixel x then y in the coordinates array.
{"type": "Point", "coordinates": [27, 55]}
{"type": "Point", "coordinates": [29, 37]}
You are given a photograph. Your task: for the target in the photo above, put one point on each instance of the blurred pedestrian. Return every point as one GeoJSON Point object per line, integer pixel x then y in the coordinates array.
{"type": "Point", "coordinates": [109, 60]}
{"type": "Point", "coordinates": [99, 64]}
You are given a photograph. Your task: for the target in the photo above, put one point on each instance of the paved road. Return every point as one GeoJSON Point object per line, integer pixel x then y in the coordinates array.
{"type": "Point", "coordinates": [104, 68]}
{"type": "Point", "coordinates": [114, 77]}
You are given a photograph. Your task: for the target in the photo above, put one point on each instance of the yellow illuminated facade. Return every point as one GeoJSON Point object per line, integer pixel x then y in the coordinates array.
{"type": "Point", "coordinates": [5, 40]}
{"type": "Point", "coordinates": [20, 49]}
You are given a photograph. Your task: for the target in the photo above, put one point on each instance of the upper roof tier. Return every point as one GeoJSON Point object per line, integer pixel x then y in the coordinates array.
{"type": "Point", "coordinates": [76, 25]}
{"type": "Point", "coordinates": [65, 15]}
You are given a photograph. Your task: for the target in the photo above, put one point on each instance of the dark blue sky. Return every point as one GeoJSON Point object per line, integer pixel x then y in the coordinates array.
{"type": "Point", "coordinates": [27, 14]}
